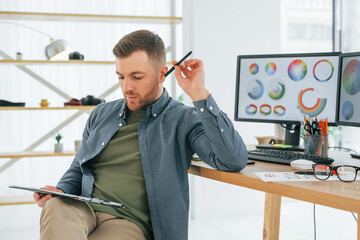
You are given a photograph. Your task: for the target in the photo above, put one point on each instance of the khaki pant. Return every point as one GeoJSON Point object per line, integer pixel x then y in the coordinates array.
{"type": "Point", "coordinates": [64, 218]}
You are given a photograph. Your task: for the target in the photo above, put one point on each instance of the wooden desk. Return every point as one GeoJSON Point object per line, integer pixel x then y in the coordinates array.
{"type": "Point", "coordinates": [336, 194]}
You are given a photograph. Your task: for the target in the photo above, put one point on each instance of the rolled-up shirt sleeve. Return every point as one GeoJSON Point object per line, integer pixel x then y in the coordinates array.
{"type": "Point", "coordinates": [213, 137]}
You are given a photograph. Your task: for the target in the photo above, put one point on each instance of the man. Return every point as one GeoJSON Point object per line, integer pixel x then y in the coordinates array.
{"type": "Point", "coordinates": [138, 150]}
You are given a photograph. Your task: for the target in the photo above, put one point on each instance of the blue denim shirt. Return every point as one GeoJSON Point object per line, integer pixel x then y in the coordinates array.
{"type": "Point", "coordinates": [169, 134]}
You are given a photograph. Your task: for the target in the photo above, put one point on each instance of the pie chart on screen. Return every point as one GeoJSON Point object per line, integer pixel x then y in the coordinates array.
{"type": "Point", "coordinates": [270, 68]}
{"type": "Point", "coordinates": [254, 68]}
{"type": "Point", "coordinates": [276, 89]}
{"type": "Point", "coordinates": [297, 70]}
{"type": "Point", "coordinates": [351, 77]}
{"type": "Point", "coordinates": [323, 70]}
{"type": "Point", "coordinates": [312, 110]}
{"type": "Point", "coordinates": [255, 89]}
{"type": "Point", "coordinates": [347, 110]}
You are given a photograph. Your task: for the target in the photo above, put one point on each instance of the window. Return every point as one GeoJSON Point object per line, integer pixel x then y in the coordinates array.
{"type": "Point", "coordinates": [307, 26]}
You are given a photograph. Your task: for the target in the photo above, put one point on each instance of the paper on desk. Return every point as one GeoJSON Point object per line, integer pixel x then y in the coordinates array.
{"type": "Point", "coordinates": [289, 177]}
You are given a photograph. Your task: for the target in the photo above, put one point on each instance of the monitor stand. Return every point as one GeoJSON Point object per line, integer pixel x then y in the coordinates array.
{"type": "Point", "coordinates": [292, 140]}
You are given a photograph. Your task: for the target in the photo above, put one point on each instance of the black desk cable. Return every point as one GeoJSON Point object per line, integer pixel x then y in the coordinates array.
{"type": "Point", "coordinates": [347, 149]}
{"type": "Point", "coordinates": [354, 216]}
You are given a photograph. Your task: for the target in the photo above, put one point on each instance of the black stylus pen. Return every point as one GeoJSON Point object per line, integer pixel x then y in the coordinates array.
{"type": "Point", "coordinates": [311, 173]}
{"type": "Point", "coordinates": [305, 172]}
{"type": "Point", "coordinates": [178, 63]}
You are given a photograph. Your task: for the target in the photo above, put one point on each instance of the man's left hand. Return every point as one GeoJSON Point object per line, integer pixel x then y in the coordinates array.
{"type": "Point", "coordinates": [193, 81]}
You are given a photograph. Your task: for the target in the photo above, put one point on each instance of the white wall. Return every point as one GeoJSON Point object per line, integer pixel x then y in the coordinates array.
{"type": "Point", "coordinates": [222, 30]}
{"type": "Point", "coordinates": [217, 32]}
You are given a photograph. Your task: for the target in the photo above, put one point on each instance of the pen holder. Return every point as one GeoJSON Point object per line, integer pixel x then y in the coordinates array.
{"type": "Point", "coordinates": [316, 144]}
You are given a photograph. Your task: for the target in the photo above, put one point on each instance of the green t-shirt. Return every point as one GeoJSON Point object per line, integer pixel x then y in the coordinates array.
{"type": "Point", "coordinates": [119, 176]}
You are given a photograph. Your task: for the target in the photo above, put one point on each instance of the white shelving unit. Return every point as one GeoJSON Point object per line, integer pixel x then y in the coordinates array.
{"type": "Point", "coordinates": [22, 65]}
{"type": "Point", "coordinates": [37, 16]}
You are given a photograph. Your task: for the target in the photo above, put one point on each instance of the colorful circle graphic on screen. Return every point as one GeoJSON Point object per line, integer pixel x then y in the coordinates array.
{"type": "Point", "coordinates": [276, 89]}
{"type": "Point", "coordinates": [251, 109]}
{"type": "Point", "coordinates": [270, 68]}
{"type": "Point", "coordinates": [347, 110]}
{"type": "Point", "coordinates": [323, 70]}
{"type": "Point", "coordinates": [255, 89]}
{"type": "Point", "coordinates": [279, 110]}
{"type": "Point", "coordinates": [312, 111]}
{"type": "Point", "coordinates": [265, 109]}
{"type": "Point", "coordinates": [297, 70]}
{"type": "Point", "coordinates": [351, 77]}
{"type": "Point", "coordinates": [254, 68]}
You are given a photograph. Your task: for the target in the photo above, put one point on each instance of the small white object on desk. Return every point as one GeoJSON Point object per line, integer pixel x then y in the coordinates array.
{"type": "Point", "coordinates": [302, 164]}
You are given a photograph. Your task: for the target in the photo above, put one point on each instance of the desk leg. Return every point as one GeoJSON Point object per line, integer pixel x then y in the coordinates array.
{"type": "Point", "coordinates": [272, 216]}
{"type": "Point", "coordinates": [358, 226]}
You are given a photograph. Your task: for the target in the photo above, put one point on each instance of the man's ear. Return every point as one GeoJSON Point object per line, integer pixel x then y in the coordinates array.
{"type": "Point", "coordinates": [163, 70]}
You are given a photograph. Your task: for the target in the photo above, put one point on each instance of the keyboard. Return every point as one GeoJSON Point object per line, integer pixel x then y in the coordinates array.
{"type": "Point", "coordinates": [285, 157]}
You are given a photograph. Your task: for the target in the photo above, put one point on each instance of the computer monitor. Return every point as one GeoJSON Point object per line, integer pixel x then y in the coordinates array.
{"type": "Point", "coordinates": [282, 88]}
{"type": "Point", "coordinates": [349, 93]}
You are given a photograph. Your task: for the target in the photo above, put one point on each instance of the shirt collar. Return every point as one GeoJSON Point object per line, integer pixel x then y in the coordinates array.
{"type": "Point", "coordinates": [154, 110]}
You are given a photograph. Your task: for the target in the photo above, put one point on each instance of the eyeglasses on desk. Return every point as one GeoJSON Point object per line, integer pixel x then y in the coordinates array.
{"type": "Point", "coordinates": [345, 173]}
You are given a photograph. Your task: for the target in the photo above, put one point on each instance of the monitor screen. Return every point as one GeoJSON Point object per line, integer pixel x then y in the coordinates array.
{"type": "Point", "coordinates": [282, 88]}
{"type": "Point", "coordinates": [349, 96]}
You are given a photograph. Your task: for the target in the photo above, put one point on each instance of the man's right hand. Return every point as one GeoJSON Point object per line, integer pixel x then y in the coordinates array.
{"type": "Point", "coordinates": [42, 198]}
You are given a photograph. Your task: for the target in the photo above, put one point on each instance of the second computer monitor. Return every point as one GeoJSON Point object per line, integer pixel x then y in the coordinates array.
{"type": "Point", "coordinates": [349, 98]}
{"type": "Point", "coordinates": [282, 88]}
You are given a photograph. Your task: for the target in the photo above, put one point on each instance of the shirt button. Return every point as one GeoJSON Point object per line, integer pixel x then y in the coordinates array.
{"type": "Point", "coordinates": [154, 114]}
{"type": "Point", "coordinates": [211, 108]}
{"type": "Point", "coordinates": [221, 130]}
{"type": "Point", "coordinates": [120, 114]}
{"type": "Point", "coordinates": [84, 160]}
{"type": "Point", "coordinates": [120, 124]}
{"type": "Point", "coordinates": [102, 144]}
{"type": "Point", "coordinates": [201, 109]}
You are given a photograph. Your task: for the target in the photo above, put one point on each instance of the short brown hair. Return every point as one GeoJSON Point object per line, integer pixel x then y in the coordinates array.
{"type": "Point", "coordinates": [145, 40]}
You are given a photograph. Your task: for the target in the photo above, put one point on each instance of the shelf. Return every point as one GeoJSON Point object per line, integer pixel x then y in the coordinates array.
{"type": "Point", "coordinates": [17, 200]}
{"type": "Point", "coordinates": [48, 108]}
{"type": "Point", "coordinates": [28, 62]}
{"type": "Point", "coordinates": [34, 62]}
{"type": "Point", "coordinates": [37, 16]}
{"type": "Point", "coordinates": [36, 154]}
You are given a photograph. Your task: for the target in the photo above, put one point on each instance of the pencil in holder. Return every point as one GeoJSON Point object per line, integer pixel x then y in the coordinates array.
{"type": "Point", "coordinates": [316, 144]}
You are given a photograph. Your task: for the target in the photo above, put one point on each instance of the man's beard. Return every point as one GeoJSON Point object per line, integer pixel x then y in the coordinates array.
{"type": "Point", "coordinates": [141, 103]}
